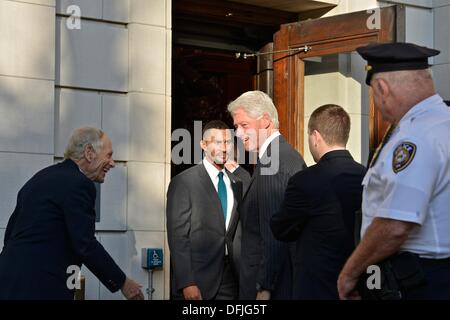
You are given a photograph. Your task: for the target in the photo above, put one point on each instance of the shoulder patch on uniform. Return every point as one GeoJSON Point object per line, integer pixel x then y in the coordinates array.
{"type": "Point", "coordinates": [403, 156]}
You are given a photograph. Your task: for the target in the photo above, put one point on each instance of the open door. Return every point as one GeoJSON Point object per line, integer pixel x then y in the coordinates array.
{"type": "Point", "coordinates": [331, 72]}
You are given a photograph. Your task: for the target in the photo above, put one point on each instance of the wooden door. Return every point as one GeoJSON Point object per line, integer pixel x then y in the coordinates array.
{"type": "Point", "coordinates": [327, 36]}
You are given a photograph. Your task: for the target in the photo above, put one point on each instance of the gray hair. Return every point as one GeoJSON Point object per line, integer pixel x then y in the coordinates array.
{"type": "Point", "coordinates": [82, 138]}
{"type": "Point", "coordinates": [255, 103]}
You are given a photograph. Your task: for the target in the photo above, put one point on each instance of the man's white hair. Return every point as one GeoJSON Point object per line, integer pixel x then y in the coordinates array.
{"type": "Point", "coordinates": [255, 103]}
{"type": "Point", "coordinates": [82, 138]}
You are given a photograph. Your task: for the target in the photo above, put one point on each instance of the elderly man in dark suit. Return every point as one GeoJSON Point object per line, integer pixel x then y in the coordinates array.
{"type": "Point", "coordinates": [266, 263]}
{"type": "Point", "coordinates": [201, 222]}
{"type": "Point", "coordinates": [52, 228]}
{"type": "Point", "coordinates": [319, 206]}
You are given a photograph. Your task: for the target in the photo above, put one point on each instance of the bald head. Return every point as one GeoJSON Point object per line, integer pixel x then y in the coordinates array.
{"type": "Point", "coordinates": [408, 80]}
{"type": "Point", "coordinates": [396, 92]}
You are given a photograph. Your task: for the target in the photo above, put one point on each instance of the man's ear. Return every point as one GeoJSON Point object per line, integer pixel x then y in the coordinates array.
{"type": "Point", "coordinates": [267, 120]}
{"type": "Point", "coordinates": [89, 153]}
{"type": "Point", "coordinates": [382, 87]}
{"type": "Point", "coordinates": [203, 145]}
{"type": "Point", "coordinates": [317, 137]}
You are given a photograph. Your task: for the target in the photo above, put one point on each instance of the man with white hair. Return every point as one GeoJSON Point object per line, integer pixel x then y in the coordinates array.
{"type": "Point", "coordinates": [52, 228]}
{"type": "Point", "coordinates": [406, 220]}
{"type": "Point", "coordinates": [266, 263]}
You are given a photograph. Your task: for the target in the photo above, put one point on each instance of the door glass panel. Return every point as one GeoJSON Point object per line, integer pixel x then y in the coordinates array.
{"type": "Point", "coordinates": [339, 79]}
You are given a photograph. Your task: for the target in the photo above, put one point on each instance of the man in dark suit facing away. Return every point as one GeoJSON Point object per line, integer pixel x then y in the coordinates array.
{"type": "Point", "coordinates": [318, 210]}
{"type": "Point", "coordinates": [201, 222]}
{"type": "Point", "coordinates": [52, 228]}
{"type": "Point", "coordinates": [266, 264]}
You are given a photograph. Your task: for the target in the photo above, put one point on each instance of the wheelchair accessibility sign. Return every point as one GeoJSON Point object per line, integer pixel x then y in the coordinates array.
{"type": "Point", "coordinates": [152, 258]}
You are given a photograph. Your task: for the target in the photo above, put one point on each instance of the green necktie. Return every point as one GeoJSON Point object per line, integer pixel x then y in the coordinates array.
{"type": "Point", "coordinates": [222, 191]}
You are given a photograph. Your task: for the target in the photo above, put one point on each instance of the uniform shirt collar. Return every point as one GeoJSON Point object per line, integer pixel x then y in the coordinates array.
{"type": "Point", "coordinates": [266, 143]}
{"type": "Point", "coordinates": [422, 106]}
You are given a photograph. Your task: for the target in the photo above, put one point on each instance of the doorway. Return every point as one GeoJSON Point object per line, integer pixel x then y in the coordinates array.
{"type": "Point", "coordinates": [204, 82]}
{"type": "Point", "coordinates": [206, 74]}
{"type": "Point", "coordinates": [332, 72]}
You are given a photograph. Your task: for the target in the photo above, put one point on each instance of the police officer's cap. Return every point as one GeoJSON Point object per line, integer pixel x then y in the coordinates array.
{"type": "Point", "coordinates": [395, 57]}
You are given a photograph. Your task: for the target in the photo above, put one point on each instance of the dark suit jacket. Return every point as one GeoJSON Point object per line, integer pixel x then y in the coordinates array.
{"type": "Point", "coordinates": [264, 260]}
{"type": "Point", "coordinates": [196, 231]}
{"type": "Point", "coordinates": [52, 228]}
{"type": "Point", "coordinates": [319, 213]}
{"type": "Point", "coordinates": [242, 175]}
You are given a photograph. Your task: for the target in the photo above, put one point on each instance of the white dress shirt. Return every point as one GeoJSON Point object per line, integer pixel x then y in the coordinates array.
{"type": "Point", "coordinates": [266, 143]}
{"type": "Point", "coordinates": [213, 173]}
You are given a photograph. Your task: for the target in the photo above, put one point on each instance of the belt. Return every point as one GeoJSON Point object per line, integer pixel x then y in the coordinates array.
{"type": "Point", "coordinates": [434, 262]}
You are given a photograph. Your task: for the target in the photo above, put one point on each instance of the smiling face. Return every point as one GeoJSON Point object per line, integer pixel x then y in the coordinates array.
{"type": "Point", "coordinates": [217, 144]}
{"type": "Point", "coordinates": [100, 163]}
{"type": "Point", "coordinates": [249, 130]}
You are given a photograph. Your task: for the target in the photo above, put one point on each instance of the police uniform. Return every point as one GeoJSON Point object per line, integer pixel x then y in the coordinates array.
{"type": "Point", "coordinates": [409, 178]}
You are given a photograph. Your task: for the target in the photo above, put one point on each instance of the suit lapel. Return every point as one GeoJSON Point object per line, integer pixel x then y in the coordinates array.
{"type": "Point", "coordinates": [236, 186]}
{"type": "Point", "coordinates": [255, 174]}
{"type": "Point", "coordinates": [264, 159]}
{"type": "Point", "coordinates": [237, 194]}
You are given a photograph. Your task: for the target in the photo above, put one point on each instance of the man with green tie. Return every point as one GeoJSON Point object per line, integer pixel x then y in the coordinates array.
{"type": "Point", "coordinates": [202, 220]}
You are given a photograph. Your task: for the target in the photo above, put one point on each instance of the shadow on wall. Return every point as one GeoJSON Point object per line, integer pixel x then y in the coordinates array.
{"type": "Point", "coordinates": [26, 84]}
{"type": "Point", "coordinates": [26, 97]}
{"type": "Point", "coordinates": [92, 69]}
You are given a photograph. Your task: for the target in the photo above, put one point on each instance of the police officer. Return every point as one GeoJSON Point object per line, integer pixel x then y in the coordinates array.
{"type": "Point", "coordinates": [406, 193]}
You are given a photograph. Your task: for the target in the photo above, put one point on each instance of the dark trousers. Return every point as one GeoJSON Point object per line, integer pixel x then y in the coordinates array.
{"type": "Point", "coordinates": [228, 289]}
{"type": "Point", "coordinates": [437, 274]}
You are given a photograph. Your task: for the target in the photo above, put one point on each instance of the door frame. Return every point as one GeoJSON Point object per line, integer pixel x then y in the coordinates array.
{"type": "Point", "coordinates": [326, 36]}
